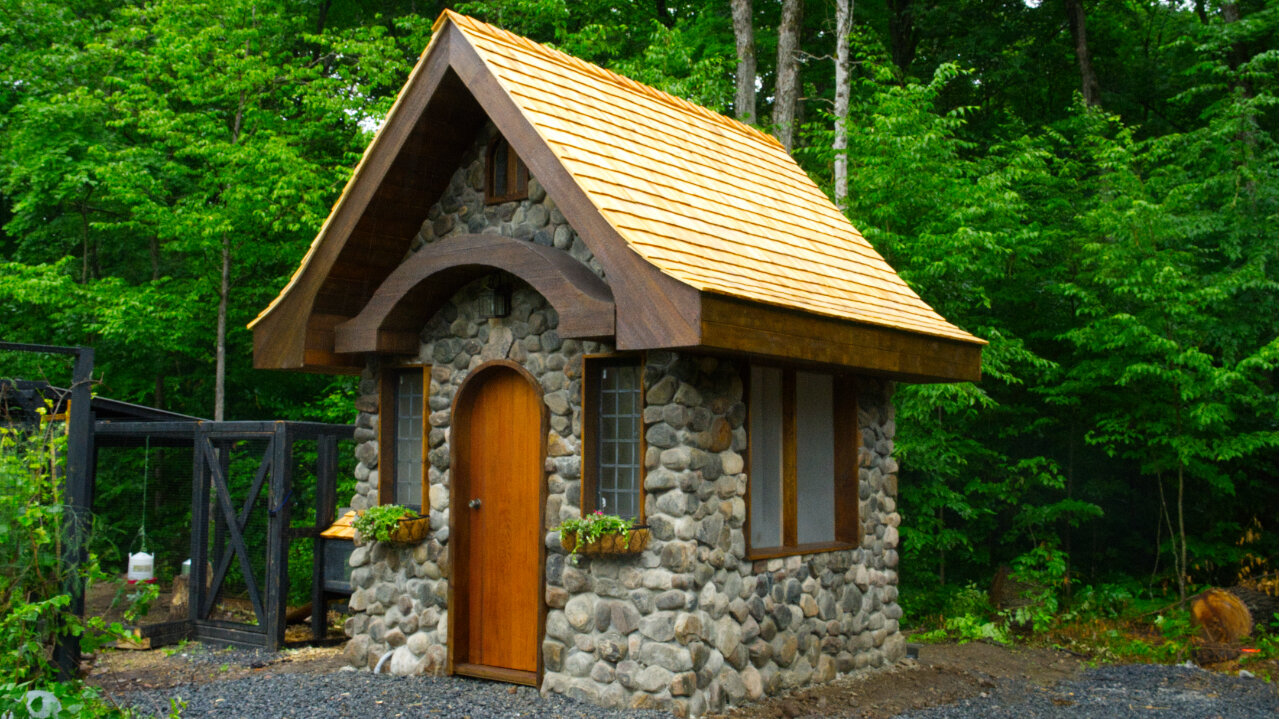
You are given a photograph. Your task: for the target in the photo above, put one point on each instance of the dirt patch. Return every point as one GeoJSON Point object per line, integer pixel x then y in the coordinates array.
{"type": "Point", "coordinates": [119, 670]}
{"type": "Point", "coordinates": [943, 674]}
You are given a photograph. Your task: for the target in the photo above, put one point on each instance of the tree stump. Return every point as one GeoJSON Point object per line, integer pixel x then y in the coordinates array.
{"type": "Point", "coordinates": [1221, 616]}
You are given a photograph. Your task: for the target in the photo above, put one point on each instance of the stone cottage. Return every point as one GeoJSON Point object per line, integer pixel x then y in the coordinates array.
{"type": "Point", "coordinates": [566, 292]}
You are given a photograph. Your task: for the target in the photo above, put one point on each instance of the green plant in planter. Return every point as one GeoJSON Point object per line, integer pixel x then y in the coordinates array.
{"type": "Point", "coordinates": [377, 523]}
{"type": "Point", "coordinates": [592, 527]}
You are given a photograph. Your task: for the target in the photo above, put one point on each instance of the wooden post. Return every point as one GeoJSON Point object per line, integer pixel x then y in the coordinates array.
{"type": "Point", "coordinates": [200, 495]}
{"type": "Point", "coordinates": [78, 499]}
{"type": "Point", "coordinates": [326, 503]}
{"type": "Point", "coordinates": [277, 576]}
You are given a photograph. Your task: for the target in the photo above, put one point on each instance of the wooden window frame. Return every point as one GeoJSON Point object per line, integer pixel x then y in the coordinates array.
{"type": "Point", "coordinates": [517, 175]}
{"type": "Point", "coordinates": [387, 417]}
{"type": "Point", "coordinates": [848, 529]}
{"type": "Point", "coordinates": [590, 417]}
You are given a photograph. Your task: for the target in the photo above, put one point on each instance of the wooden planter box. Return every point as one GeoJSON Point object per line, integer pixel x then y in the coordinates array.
{"type": "Point", "coordinates": [608, 544]}
{"type": "Point", "coordinates": [411, 531]}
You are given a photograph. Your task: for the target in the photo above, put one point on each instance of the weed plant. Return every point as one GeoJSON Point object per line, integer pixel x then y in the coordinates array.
{"type": "Point", "coordinates": [34, 605]}
{"type": "Point", "coordinates": [1108, 622]}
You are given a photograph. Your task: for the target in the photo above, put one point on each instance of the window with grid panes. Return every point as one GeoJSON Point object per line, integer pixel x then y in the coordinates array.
{"type": "Point", "coordinates": [613, 424]}
{"type": "Point", "coordinates": [408, 438]}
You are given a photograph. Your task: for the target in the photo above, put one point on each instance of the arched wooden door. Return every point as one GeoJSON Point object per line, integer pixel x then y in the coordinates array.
{"type": "Point", "coordinates": [498, 437]}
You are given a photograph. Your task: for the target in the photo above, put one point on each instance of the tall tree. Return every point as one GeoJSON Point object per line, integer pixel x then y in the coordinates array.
{"type": "Point", "coordinates": [902, 33]}
{"type": "Point", "coordinates": [840, 167]}
{"type": "Point", "coordinates": [786, 91]}
{"type": "Point", "coordinates": [1080, 37]}
{"type": "Point", "coordinates": [744, 99]}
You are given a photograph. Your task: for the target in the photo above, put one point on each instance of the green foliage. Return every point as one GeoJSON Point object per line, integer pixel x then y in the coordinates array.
{"type": "Point", "coordinates": [378, 522]}
{"type": "Point", "coordinates": [967, 615]}
{"type": "Point", "coordinates": [1120, 259]}
{"type": "Point", "coordinates": [1044, 570]}
{"type": "Point", "coordinates": [34, 607]}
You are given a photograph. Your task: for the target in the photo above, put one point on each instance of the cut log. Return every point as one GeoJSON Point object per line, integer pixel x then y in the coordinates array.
{"type": "Point", "coordinates": [296, 615]}
{"type": "Point", "coordinates": [1262, 606]}
{"type": "Point", "coordinates": [179, 603]}
{"type": "Point", "coordinates": [1221, 616]}
{"type": "Point", "coordinates": [1009, 592]}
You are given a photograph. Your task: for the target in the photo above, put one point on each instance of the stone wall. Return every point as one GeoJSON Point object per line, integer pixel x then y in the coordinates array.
{"type": "Point", "coordinates": [400, 595]}
{"type": "Point", "coordinates": [461, 210]}
{"type": "Point", "coordinates": [693, 625]}
{"type": "Point", "coordinates": [690, 625]}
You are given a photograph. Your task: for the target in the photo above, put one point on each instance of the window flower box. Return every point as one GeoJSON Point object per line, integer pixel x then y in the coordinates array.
{"type": "Point", "coordinates": [636, 539]}
{"type": "Point", "coordinates": [392, 523]}
{"type": "Point", "coordinates": [600, 534]}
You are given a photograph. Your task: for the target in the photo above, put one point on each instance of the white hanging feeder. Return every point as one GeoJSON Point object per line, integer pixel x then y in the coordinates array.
{"type": "Point", "coordinates": [142, 564]}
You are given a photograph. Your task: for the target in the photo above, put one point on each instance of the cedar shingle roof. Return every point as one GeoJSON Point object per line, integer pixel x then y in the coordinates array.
{"type": "Point", "coordinates": [709, 201]}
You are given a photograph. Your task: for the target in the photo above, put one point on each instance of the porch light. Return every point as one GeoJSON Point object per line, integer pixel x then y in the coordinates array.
{"type": "Point", "coordinates": [494, 300]}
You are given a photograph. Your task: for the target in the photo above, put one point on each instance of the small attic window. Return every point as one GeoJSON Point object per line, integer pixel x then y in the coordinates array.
{"type": "Point", "coordinates": [506, 177]}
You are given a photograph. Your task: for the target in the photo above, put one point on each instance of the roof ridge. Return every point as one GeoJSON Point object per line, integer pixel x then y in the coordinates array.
{"type": "Point", "coordinates": [466, 22]}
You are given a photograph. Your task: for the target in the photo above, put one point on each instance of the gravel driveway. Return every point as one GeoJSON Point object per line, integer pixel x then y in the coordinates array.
{"type": "Point", "coordinates": [235, 684]}
{"type": "Point", "coordinates": [365, 695]}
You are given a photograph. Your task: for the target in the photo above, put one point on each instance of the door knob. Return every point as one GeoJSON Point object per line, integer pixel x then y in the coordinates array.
{"type": "Point", "coordinates": [474, 504]}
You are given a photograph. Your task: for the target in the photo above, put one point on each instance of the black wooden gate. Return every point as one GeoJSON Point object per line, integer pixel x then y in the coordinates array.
{"type": "Point", "coordinates": [241, 527]}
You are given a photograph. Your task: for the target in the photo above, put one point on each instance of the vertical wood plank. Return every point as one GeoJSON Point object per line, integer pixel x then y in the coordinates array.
{"type": "Point", "coordinates": [847, 445]}
{"type": "Point", "coordinates": [326, 504]}
{"type": "Point", "coordinates": [590, 436]}
{"type": "Point", "coordinates": [200, 496]}
{"type": "Point", "coordinates": [424, 473]}
{"type": "Point", "coordinates": [277, 574]}
{"type": "Point", "coordinates": [386, 435]}
{"type": "Point", "coordinates": [790, 531]}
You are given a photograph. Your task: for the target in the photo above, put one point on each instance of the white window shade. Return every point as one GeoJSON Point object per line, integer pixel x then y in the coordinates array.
{"type": "Point", "coordinates": [765, 410]}
{"type": "Point", "coordinates": [815, 459]}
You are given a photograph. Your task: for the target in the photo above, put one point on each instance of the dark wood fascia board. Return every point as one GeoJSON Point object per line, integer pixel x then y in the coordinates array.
{"type": "Point", "coordinates": [390, 322]}
{"type": "Point", "coordinates": [741, 327]}
{"type": "Point", "coordinates": [280, 336]}
{"type": "Point", "coordinates": [654, 310]}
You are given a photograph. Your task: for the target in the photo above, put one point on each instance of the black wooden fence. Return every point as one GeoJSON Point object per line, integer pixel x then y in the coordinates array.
{"type": "Point", "coordinates": [227, 519]}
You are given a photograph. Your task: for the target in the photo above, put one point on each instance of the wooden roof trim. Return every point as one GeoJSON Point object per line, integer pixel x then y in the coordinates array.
{"type": "Point", "coordinates": [390, 322]}
{"type": "Point", "coordinates": [275, 343]}
{"type": "Point", "coordinates": [742, 327]}
{"type": "Point", "coordinates": [653, 309]}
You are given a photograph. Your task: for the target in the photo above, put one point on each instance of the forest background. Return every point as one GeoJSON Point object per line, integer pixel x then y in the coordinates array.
{"type": "Point", "coordinates": [1090, 185]}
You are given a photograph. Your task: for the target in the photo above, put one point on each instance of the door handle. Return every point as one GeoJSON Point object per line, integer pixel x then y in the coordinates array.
{"type": "Point", "coordinates": [474, 504]}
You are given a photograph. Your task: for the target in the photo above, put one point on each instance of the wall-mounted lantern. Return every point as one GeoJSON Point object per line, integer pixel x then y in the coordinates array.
{"type": "Point", "coordinates": [495, 299]}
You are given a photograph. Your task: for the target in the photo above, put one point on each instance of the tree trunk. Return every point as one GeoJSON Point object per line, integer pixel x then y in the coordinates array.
{"type": "Point", "coordinates": [844, 28]}
{"type": "Point", "coordinates": [220, 370]}
{"type": "Point", "coordinates": [902, 34]}
{"type": "Point", "coordinates": [224, 294]}
{"type": "Point", "coordinates": [744, 101]}
{"type": "Point", "coordinates": [787, 89]}
{"type": "Point", "coordinates": [1182, 542]}
{"type": "Point", "coordinates": [1088, 80]}
{"type": "Point", "coordinates": [942, 552]}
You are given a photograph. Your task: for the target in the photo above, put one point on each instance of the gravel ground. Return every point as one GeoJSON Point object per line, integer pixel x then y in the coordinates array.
{"type": "Point", "coordinates": [1126, 690]}
{"type": "Point", "coordinates": [371, 696]}
{"type": "Point", "coordinates": [265, 686]}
